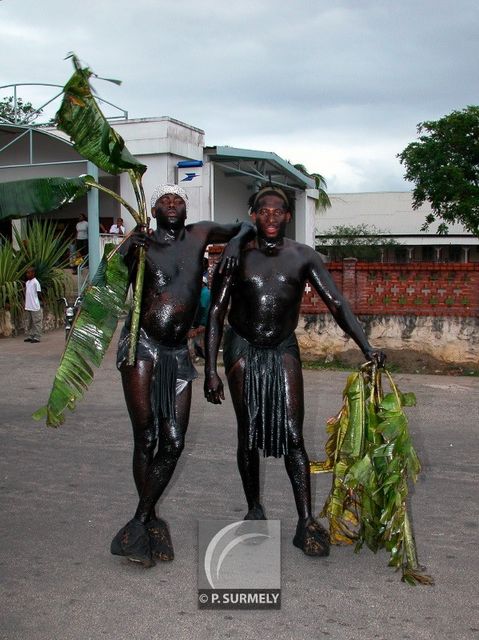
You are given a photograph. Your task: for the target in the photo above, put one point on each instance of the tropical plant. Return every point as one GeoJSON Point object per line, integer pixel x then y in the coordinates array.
{"type": "Point", "coordinates": [11, 275]}
{"type": "Point", "coordinates": [43, 248]}
{"type": "Point", "coordinates": [444, 166]}
{"type": "Point", "coordinates": [371, 456]}
{"type": "Point", "coordinates": [323, 200]}
{"type": "Point", "coordinates": [361, 241]}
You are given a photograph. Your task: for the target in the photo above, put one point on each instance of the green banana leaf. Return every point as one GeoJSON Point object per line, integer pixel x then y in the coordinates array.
{"type": "Point", "coordinates": [90, 336]}
{"type": "Point", "coordinates": [82, 119]}
{"type": "Point", "coordinates": [353, 439]}
{"type": "Point", "coordinates": [22, 198]}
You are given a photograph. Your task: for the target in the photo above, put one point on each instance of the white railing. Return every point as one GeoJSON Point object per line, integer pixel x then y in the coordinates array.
{"type": "Point", "coordinates": [106, 238]}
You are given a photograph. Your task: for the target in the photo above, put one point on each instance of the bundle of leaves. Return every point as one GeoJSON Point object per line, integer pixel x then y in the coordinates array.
{"type": "Point", "coordinates": [371, 456]}
{"type": "Point", "coordinates": [46, 250]}
{"type": "Point", "coordinates": [103, 303]}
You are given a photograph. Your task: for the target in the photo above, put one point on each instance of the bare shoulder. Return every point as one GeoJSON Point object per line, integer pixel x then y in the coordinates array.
{"type": "Point", "coordinates": [300, 248]}
{"type": "Point", "coordinates": [201, 225]}
{"type": "Point", "coordinates": [201, 228]}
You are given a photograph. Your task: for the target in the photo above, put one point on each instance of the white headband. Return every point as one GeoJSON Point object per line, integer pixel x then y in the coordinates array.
{"type": "Point", "coordinates": [168, 188]}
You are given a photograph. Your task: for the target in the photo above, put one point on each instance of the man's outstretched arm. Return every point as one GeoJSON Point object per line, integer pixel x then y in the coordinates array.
{"type": "Point", "coordinates": [339, 307]}
{"type": "Point", "coordinates": [236, 235]}
{"type": "Point", "coordinates": [220, 295]}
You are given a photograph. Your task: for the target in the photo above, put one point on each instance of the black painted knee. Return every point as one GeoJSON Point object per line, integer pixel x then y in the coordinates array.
{"type": "Point", "coordinates": [145, 440]}
{"type": "Point", "coordinates": [295, 444]}
{"type": "Point", "coordinates": [173, 448]}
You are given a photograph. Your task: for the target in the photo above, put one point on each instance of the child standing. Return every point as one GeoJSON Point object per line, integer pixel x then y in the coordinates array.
{"type": "Point", "coordinates": [33, 310]}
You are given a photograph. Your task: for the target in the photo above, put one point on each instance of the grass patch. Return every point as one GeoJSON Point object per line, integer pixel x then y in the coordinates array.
{"type": "Point", "coordinates": [334, 365]}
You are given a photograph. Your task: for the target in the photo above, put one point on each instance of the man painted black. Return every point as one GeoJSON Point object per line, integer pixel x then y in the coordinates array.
{"type": "Point", "coordinates": [261, 354]}
{"type": "Point", "coordinates": [158, 387]}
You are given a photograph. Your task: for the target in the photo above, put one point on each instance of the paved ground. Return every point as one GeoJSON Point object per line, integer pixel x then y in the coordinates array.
{"type": "Point", "coordinates": [65, 492]}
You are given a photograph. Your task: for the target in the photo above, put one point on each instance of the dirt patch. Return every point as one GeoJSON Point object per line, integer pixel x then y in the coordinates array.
{"type": "Point", "coordinates": [403, 361]}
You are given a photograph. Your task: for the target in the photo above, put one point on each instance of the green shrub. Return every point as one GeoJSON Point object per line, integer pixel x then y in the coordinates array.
{"type": "Point", "coordinates": [11, 281]}
{"type": "Point", "coordinates": [46, 251]}
{"type": "Point", "coordinates": [43, 250]}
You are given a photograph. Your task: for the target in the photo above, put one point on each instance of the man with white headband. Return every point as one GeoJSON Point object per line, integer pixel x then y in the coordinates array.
{"type": "Point", "coordinates": [261, 354]}
{"type": "Point", "coordinates": [158, 387]}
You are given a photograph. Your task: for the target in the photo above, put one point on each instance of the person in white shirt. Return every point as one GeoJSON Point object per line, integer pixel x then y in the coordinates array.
{"type": "Point", "coordinates": [118, 228]}
{"type": "Point", "coordinates": [82, 235]}
{"type": "Point", "coordinates": [33, 309]}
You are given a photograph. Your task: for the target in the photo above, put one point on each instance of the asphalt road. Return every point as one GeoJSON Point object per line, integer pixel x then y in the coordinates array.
{"type": "Point", "coordinates": [65, 493]}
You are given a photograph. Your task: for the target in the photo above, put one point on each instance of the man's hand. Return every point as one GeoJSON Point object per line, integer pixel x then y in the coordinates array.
{"type": "Point", "coordinates": [376, 356]}
{"type": "Point", "coordinates": [230, 258]}
{"type": "Point", "coordinates": [141, 237]}
{"type": "Point", "coordinates": [213, 387]}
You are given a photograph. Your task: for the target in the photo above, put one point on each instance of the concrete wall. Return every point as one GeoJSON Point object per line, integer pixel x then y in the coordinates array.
{"type": "Point", "coordinates": [451, 340]}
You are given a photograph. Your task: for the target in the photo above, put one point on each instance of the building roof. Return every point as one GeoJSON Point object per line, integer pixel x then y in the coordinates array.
{"type": "Point", "coordinates": [265, 166]}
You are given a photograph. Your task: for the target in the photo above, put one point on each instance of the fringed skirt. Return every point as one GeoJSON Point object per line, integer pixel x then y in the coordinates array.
{"type": "Point", "coordinates": [172, 370]}
{"type": "Point", "coordinates": [264, 390]}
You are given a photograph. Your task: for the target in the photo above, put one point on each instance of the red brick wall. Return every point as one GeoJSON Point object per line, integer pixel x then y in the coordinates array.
{"type": "Point", "coordinates": [423, 289]}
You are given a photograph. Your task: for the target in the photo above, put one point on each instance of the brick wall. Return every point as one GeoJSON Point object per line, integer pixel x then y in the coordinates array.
{"type": "Point", "coordinates": [416, 288]}
{"type": "Point", "coordinates": [422, 289]}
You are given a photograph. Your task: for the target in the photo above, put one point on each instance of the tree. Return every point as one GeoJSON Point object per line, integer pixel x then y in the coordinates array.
{"type": "Point", "coordinates": [361, 241]}
{"type": "Point", "coordinates": [321, 186]}
{"type": "Point", "coordinates": [18, 112]}
{"type": "Point", "coordinates": [444, 166]}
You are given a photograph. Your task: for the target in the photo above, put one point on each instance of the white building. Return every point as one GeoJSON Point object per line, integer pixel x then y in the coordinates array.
{"type": "Point", "coordinates": [394, 215]}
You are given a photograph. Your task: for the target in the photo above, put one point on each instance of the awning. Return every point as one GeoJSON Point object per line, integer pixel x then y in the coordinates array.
{"type": "Point", "coordinates": [263, 166]}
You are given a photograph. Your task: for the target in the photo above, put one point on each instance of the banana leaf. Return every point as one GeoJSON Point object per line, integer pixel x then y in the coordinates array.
{"type": "Point", "coordinates": [22, 198]}
{"type": "Point", "coordinates": [82, 119]}
{"type": "Point", "coordinates": [342, 505]}
{"type": "Point", "coordinates": [90, 336]}
{"type": "Point", "coordinates": [372, 458]}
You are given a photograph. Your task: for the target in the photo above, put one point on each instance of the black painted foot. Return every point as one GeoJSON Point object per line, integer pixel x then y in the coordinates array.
{"type": "Point", "coordinates": [312, 538]}
{"type": "Point", "coordinates": [255, 513]}
{"type": "Point", "coordinates": [160, 540]}
{"type": "Point", "coordinates": [132, 542]}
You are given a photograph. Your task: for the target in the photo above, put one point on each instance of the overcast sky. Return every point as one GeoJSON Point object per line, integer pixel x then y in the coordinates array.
{"type": "Point", "coordinates": [338, 86]}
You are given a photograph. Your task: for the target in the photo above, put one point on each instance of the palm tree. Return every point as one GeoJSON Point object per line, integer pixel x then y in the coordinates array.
{"type": "Point", "coordinates": [323, 201]}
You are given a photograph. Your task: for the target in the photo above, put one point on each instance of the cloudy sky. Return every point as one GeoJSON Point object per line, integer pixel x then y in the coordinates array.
{"type": "Point", "coordinates": [338, 86]}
